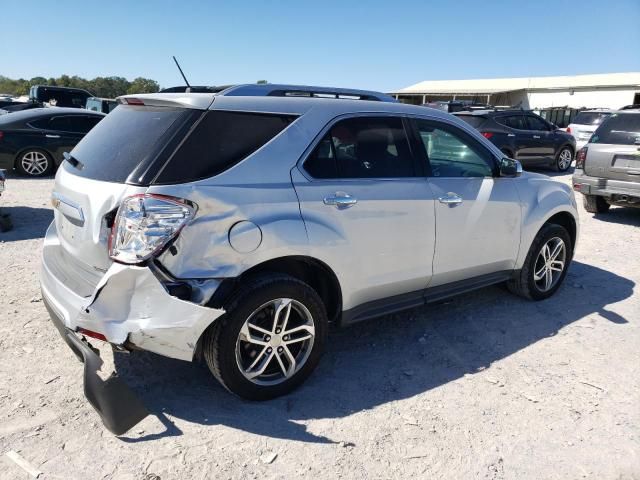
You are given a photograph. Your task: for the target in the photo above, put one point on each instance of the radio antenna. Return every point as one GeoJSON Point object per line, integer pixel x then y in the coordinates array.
{"type": "Point", "coordinates": [181, 72]}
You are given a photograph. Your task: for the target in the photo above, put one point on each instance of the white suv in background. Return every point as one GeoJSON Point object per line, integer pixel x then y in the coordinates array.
{"type": "Point", "coordinates": [585, 123]}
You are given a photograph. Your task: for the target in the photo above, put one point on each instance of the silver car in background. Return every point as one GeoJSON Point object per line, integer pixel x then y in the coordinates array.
{"type": "Point", "coordinates": [608, 167]}
{"type": "Point", "coordinates": [237, 226]}
{"type": "Point", "coordinates": [585, 123]}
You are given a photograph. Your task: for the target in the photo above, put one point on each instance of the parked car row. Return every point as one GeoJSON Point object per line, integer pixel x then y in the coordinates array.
{"type": "Point", "coordinates": [525, 136]}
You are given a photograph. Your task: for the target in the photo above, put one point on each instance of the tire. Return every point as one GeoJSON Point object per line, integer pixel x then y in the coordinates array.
{"type": "Point", "coordinates": [563, 159]}
{"type": "Point", "coordinates": [525, 284]}
{"type": "Point", "coordinates": [595, 204]}
{"type": "Point", "coordinates": [34, 162]}
{"type": "Point", "coordinates": [225, 351]}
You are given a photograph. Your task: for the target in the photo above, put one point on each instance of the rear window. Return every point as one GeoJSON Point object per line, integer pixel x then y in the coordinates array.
{"type": "Point", "coordinates": [590, 118]}
{"type": "Point", "coordinates": [474, 120]}
{"type": "Point", "coordinates": [619, 129]}
{"type": "Point", "coordinates": [219, 141]}
{"type": "Point", "coordinates": [128, 137]}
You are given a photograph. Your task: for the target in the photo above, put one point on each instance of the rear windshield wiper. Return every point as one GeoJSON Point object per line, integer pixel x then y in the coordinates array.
{"type": "Point", "coordinates": [73, 160]}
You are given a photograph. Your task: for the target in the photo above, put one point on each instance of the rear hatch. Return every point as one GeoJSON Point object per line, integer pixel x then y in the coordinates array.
{"type": "Point", "coordinates": [585, 123]}
{"type": "Point", "coordinates": [119, 157]}
{"type": "Point", "coordinates": [614, 149]}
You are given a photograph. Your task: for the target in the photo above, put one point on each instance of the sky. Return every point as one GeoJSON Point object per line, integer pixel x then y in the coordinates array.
{"type": "Point", "coordinates": [361, 44]}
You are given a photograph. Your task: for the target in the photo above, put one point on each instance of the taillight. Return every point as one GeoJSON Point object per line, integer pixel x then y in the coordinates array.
{"type": "Point", "coordinates": [145, 224]}
{"type": "Point", "coordinates": [568, 129]}
{"type": "Point", "coordinates": [581, 157]}
{"type": "Point", "coordinates": [487, 134]}
{"type": "Point", "coordinates": [1, 135]}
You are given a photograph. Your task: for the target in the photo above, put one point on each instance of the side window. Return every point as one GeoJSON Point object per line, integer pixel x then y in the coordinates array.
{"type": "Point", "coordinates": [513, 121]}
{"type": "Point", "coordinates": [62, 124]}
{"type": "Point", "coordinates": [42, 123]}
{"type": "Point", "coordinates": [452, 152]}
{"type": "Point", "coordinates": [363, 147]}
{"type": "Point", "coordinates": [219, 141]}
{"type": "Point", "coordinates": [536, 124]}
{"type": "Point", "coordinates": [82, 124]}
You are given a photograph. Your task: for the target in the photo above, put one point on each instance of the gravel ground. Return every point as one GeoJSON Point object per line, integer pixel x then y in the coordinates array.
{"type": "Point", "coordinates": [485, 385]}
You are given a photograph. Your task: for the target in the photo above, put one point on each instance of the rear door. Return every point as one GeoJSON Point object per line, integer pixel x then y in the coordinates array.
{"type": "Point", "coordinates": [367, 206]}
{"type": "Point", "coordinates": [518, 135]}
{"type": "Point", "coordinates": [60, 136]}
{"type": "Point", "coordinates": [477, 213]}
{"type": "Point", "coordinates": [614, 148]}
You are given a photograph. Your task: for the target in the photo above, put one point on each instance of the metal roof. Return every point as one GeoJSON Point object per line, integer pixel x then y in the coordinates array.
{"type": "Point", "coordinates": [498, 85]}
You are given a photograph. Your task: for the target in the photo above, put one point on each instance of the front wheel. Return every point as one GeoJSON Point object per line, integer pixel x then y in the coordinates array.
{"type": "Point", "coordinates": [270, 339]}
{"type": "Point", "coordinates": [546, 264]}
{"type": "Point", "coordinates": [564, 159]}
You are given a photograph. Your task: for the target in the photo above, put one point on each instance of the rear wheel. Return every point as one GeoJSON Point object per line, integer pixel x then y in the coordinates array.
{"type": "Point", "coordinates": [270, 339]}
{"type": "Point", "coordinates": [564, 159]}
{"type": "Point", "coordinates": [546, 264]}
{"type": "Point", "coordinates": [595, 204]}
{"type": "Point", "coordinates": [34, 163]}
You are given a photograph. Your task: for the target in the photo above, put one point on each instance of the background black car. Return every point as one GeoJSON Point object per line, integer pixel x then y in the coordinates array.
{"type": "Point", "coordinates": [525, 136]}
{"type": "Point", "coordinates": [33, 141]}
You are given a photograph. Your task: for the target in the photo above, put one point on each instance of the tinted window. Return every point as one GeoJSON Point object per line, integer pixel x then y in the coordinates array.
{"type": "Point", "coordinates": [453, 153]}
{"type": "Point", "coordinates": [62, 124]}
{"type": "Point", "coordinates": [619, 129]}
{"type": "Point", "coordinates": [40, 123]}
{"type": "Point", "coordinates": [363, 147]}
{"type": "Point", "coordinates": [536, 123]}
{"type": "Point", "coordinates": [513, 121]}
{"type": "Point", "coordinates": [82, 124]}
{"type": "Point", "coordinates": [124, 139]}
{"type": "Point", "coordinates": [590, 118]}
{"type": "Point", "coordinates": [474, 120]}
{"type": "Point", "coordinates": [219, 141]}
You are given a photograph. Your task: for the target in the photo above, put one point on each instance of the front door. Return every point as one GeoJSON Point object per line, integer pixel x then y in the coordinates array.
{"type": "Point", "coordinates": [368, 209]}
{"type": "Point", "coordinates": [544, 140]}
{"type": "Point", "coordinates": [477, 213]}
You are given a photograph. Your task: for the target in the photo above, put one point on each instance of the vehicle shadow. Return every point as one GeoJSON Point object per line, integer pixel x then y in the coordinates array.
{"type": "Point", "coordinates": [28, 222]}
{"type": "Point", "coordinates": [624, 215]}
{"type": "Point", "coordinates": [380, 361]}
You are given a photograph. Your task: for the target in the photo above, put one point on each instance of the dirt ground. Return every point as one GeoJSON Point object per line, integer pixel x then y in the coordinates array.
{"type": "Point", "coordinates": [485, 385]}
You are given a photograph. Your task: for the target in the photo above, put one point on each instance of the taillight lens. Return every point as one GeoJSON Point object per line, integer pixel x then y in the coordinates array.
{"type": "Point", "coordinates": [145, 224]}
{"type": "Point", "coordinates": [1, 135]}
{"type": "Point", "coordinates": [581, 157]}
{"type": "Point", "coordinates": [568, 129]}
{"type": "Point", "coordinates": [487, 134]}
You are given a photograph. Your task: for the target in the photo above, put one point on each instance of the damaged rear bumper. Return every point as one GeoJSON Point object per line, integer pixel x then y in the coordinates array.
{"type": "Point", "coordinates": [119, 408]}
{"type": "Point", "coordinates": [130, 307]}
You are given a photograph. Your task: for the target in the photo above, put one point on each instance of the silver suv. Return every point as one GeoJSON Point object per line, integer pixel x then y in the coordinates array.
{"type": "Point", "coordinates": [236, 227]}
{"type": "Point", "coordinates": [608, 167]}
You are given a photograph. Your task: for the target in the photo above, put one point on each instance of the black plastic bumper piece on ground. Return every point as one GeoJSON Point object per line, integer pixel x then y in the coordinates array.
{"type": "Point", "coordinates": [117, 405]}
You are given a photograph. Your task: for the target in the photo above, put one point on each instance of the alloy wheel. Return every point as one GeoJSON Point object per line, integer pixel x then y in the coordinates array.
{"type": "Point", "coordinates": [275, 342]}
{"type": "Point", "coordinates": [564, 161]}
{"type": "Point", "coordinates": [34, 163]}
{"type": "Point", "coordinates": [550, 264]}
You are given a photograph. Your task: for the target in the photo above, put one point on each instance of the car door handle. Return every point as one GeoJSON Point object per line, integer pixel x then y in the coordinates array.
{"type": "Point", "coordinates": [536, 136]}
{"type": "Point", "coordinates": [450, 199]}
{"type": "Point", "coordinates": [511, 135]}
{"type": "Point", "coordinates": [340, 200]}
{"type": "Point", "coordinates": [48, 135]}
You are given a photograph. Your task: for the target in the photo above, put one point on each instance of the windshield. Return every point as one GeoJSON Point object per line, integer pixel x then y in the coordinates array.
{"type": "Point", "coordinates": [590, 118]}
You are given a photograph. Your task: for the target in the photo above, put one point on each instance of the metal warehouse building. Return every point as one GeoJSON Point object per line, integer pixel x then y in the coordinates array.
{"type": "Point", "coordinates": [607, 90]}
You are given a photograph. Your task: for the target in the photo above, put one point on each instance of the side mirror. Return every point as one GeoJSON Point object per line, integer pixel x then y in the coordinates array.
{"type": "Point", "coordinates": [510, 167]}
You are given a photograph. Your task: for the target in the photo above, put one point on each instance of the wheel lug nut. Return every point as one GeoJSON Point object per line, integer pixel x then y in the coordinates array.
{"type": "Point", "coordinates": [285, 338]}
{"type": "Point", "coordinates": [267, 338]}
{"type": "Point", "coordinates": [278, 330]}
{"type": "Point", "coordinates": [280, 349]}
{"type": "Point", "coordinates": [269, 350]}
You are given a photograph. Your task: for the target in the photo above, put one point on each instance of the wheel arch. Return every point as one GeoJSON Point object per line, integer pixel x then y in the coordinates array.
{"type": "Point", "coordinates": [568, 221]}
{"type": "Point", "coordinates": [312, 271]}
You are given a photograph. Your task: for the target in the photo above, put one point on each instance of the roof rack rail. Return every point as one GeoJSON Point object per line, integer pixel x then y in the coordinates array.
{"type": "Point", "coordinates": [275, 90]}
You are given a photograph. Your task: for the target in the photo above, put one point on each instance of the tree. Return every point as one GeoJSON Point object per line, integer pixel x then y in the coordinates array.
{"type": "Point", "coordinates": [262, 82]}
{"type": "Point", "coordinates": [143, 85]}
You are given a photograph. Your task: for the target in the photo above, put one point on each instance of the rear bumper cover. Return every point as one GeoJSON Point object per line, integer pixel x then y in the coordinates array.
{"type": "Point", "coordinates": [119, 408]}
{"type": "Point", "coordinates": [604, 187]}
